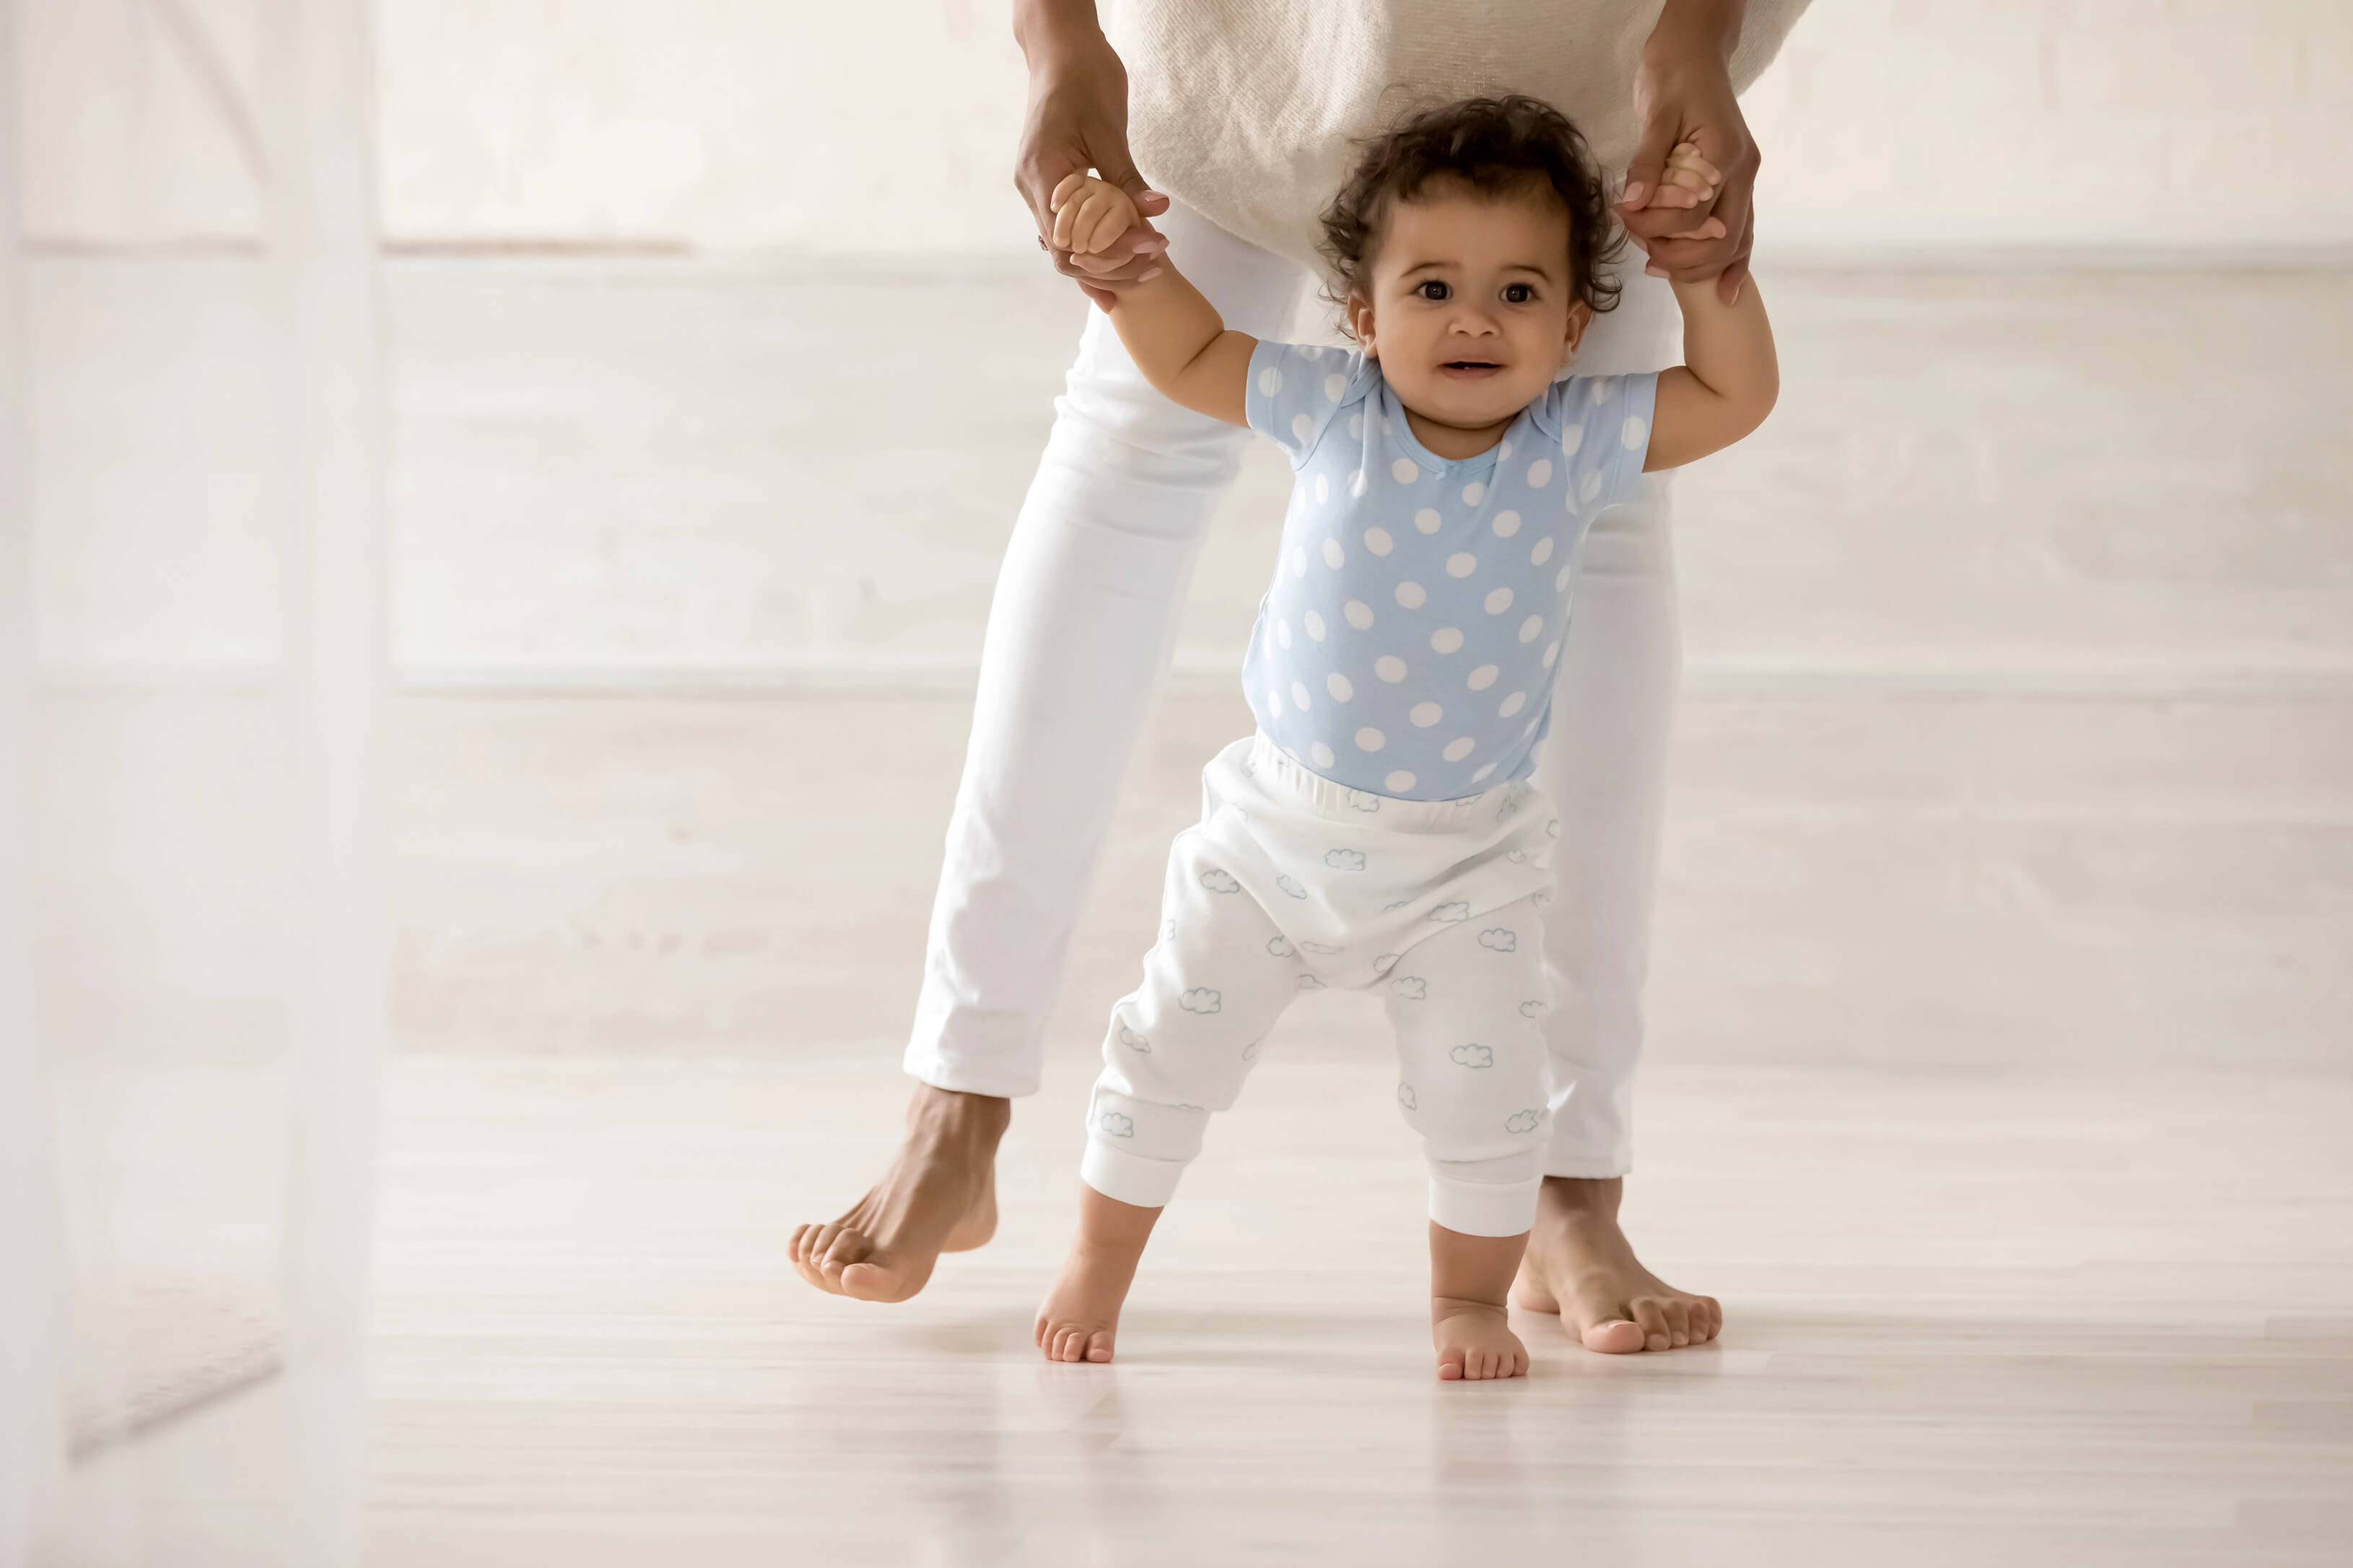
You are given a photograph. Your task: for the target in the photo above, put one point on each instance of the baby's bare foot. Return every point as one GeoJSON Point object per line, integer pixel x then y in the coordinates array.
{"type": "Point", "coordinates": [1473, 1342]}
{"type": "Point", "coordinates": [1080, 1315]}
{"type": "Point", "coordinates": [1080, 1318]}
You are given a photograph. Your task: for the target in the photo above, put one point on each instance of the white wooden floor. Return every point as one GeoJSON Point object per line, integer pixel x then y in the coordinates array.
{"type": "Point", "coordinates": [2009, 1318]}
{"type": "Point", "coordinates": [2006, 1319]}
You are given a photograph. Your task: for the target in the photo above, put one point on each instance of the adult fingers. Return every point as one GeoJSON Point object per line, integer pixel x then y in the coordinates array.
{"type": "Point", "coordinates": [1650, 160]}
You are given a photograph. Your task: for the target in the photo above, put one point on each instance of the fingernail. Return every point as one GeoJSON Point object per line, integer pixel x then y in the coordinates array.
{"type": "Point", "coordinates": [1148, 277]}
{"type": "Point", "coordinates": [1633, 195]}
{"type": "Point", "coordinates": [1656, 271]}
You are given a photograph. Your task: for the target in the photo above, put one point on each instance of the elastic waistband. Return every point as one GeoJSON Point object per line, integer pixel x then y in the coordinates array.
{"type": "Point", "coordinates": [1277, 770]}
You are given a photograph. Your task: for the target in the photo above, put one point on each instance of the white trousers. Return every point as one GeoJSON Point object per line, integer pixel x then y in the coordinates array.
{"type": "Point", "coordinates": [1079, 634]}
{"type": "Point", "coordinates": [1290, 883]}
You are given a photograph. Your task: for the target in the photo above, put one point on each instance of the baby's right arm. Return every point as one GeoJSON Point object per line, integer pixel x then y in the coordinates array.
{"type": "Point", "coordinates": [1176, 337]}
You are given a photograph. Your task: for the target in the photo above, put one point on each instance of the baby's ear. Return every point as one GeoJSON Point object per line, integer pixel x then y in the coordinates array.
{"type": "Point", "coordinates": [1580, 318]}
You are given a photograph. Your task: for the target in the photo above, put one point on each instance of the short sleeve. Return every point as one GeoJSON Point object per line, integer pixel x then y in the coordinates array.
{"type": "Point", "coordinates": [1297, 389]}
{"type": "Point", "coordinates": [1604, 434]}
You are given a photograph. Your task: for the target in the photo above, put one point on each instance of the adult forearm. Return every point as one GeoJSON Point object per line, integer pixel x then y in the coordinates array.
{"type": "Point", "coordinates": [1040, 26]}
{"type": "Point", "coordinates": [1711, 26]}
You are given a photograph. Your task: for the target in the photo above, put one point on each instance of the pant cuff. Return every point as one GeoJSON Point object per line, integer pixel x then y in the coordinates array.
{"type": "Point", "coordinates": [970, 1051]}
{"type": "Point", "coordinates": [1586, 1169]}
{"type": "Point", "coordinates": [1483, 1208]}
{"type": "Point", "coordinates": [1130, 1178]}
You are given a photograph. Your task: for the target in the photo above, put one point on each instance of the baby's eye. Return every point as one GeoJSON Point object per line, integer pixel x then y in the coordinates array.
{"type": "Point", "coordinates": [1520, 293]}
{"type": "Point", "coordinates": [1430, 289]}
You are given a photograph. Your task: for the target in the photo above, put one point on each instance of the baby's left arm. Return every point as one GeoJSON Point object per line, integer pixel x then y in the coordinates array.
{"type": "Point", "coordinates": [1729, 377]}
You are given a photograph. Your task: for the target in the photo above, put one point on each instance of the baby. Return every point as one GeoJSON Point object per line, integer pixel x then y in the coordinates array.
{"type": "Point", "coordinates": [1380, 828]}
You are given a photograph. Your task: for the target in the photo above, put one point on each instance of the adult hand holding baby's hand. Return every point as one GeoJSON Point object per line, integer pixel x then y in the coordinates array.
{"type": "Point", "coordinates": [1078, 120]}
{"type": "Point", "coordinates": [1684, 92]}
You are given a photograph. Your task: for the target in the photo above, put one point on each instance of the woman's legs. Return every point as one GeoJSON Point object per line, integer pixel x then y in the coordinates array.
{"type": "Point", "coordinates": [1605, 767]}
{"type": "Point", "coordinates": [1078, 639]}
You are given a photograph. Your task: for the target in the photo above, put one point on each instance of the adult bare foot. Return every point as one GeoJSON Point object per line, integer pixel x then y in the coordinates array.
{"type": "Point", "coordinates": [1078, 1320]}
{"type": "Point", "coordinates": [1475, 1343]}
{"type": "Point", "coordinates": [1580, 1266]}
{"type": "Point", "coordinates": [939, 1195]}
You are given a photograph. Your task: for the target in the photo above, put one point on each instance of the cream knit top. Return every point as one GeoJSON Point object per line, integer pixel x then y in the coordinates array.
{"type": "Point", "coordinates": [1243, 109]}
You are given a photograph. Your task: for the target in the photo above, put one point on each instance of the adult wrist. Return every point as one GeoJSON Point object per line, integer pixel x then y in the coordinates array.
{"type": "Point", "coordinates": [1693, 31]}
{"type": "Point", "coordinates": [1047, 30]}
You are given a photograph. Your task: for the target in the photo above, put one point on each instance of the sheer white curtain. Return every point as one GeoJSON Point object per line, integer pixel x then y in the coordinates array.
{"type": "Point", "coordinates": [191, 953]}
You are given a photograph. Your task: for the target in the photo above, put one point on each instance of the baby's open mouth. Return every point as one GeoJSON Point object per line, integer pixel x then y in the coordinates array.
{"type": "Point", "coordinates": [1469, 367]}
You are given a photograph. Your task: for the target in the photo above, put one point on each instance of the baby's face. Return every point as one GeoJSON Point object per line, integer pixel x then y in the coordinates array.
{"type": "Point", "coordinates": [1470, 311]}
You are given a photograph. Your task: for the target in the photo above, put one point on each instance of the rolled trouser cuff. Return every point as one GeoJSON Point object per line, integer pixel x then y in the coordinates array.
{"type": "Point", "coordinates": [1130, 1178]}
{"type": "Point", "coordinates": [1483, 1208]}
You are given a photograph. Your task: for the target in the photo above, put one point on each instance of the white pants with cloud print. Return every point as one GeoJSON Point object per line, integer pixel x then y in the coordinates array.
{"type": "Point", "coordinates": [1292, 883]}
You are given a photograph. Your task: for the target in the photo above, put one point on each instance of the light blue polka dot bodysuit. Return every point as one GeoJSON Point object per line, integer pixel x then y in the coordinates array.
{"type": "Point", "coordinates": [1407, 646]}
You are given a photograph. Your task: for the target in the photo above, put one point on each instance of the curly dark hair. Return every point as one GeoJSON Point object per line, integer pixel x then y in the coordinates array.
{"type": "Point", "coordinates": [1498, 146]}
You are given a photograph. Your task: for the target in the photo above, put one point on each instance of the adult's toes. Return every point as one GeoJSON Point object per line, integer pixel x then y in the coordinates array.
{"type": "Point", "coordinates": [811, 1261]}
{"type": "Point", "coordinates": [1652, 1317]}
{"type": "Point", "coordinates": [1615, 1336]}
{"type": "Point", "coordinates": [1678, 1321]}
{"type": "Point", "coordinates": [847, 1246]}
{"type": "Point", "coordinates": [874, 1280]}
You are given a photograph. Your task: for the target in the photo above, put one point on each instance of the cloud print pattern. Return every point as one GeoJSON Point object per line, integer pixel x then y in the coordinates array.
{"type": "Point", "coordinates": [1286, 885]}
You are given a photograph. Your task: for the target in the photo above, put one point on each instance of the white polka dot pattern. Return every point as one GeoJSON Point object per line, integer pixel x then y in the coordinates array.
{"type": "Point", "coordinates": [1408, 644]}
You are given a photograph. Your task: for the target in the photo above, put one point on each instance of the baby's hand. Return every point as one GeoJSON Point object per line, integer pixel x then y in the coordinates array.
{"type": "Point", "coordinates": [1089, 214]}
{"type": "Point", "coordinates": [1688, 181]}
{"type": "Point", "coordinates": [1690, 174]}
